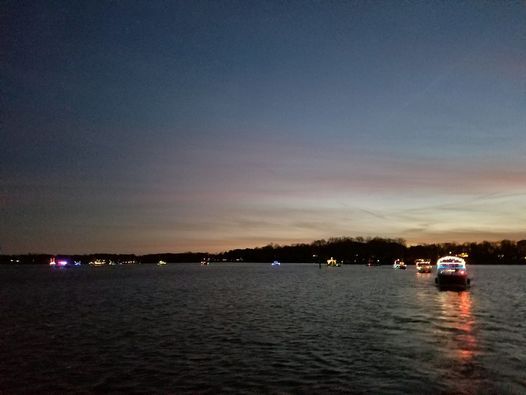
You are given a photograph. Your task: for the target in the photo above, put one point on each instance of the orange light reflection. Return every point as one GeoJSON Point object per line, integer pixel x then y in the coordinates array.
{"type": "Point", "coordinates": [457, 311]}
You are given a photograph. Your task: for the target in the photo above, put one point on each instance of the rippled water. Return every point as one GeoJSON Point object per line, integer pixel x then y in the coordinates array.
{"type": "Point", "coordinates": [254, 328]}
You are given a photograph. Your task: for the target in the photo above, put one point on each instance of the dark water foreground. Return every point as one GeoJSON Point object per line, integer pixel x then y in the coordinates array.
{"type": "Point", "coordinates": [252, 328]}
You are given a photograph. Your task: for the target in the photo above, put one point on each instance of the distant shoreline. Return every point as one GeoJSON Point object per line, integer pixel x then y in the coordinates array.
{"type": "Point", "coordinates": [346, 250]}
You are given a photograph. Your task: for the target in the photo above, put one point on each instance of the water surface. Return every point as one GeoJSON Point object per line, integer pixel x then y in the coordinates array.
{"type": "Point", "coordinates": [241, 327]}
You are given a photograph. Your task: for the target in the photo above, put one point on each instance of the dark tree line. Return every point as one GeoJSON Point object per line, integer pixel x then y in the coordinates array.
{"type": "Point", "coordinates": [361, 250]}
{"type": "Point", "coordinates": [350, 250]}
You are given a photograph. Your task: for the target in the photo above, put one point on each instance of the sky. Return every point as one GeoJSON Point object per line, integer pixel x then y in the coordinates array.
{"type": "Point", "coordinates": [172, 126]}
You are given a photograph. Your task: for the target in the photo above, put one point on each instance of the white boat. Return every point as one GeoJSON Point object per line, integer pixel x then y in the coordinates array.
{"type": "Point", "coordinates": [205, 261]}
{"type": "Point", "coordinates": [423, 265]}
{"type": "Point", "coordinates": [276, 263]}
{"type": "Point", "coordinates": [160, 263]}
{"type": "Point", "coordinates": [452, 273]}
{"type": "Point", "coordinates": [399, 264]}
{"type": "Point", "coordinates": [332, 262]}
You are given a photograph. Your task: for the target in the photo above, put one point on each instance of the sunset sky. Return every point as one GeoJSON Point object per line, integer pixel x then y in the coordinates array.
{"type": "Point", "coordinates": [130, 126]}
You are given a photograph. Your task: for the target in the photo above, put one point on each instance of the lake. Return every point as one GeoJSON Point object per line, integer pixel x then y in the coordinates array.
{"type": "Point", "coordinates": [252, 328]}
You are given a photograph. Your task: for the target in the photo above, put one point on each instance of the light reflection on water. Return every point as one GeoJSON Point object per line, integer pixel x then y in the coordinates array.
{"type": "Point", "coordinates": [456, 311]}
{"type": "Point", "coordinates": [458, 328]}
{"type": "Point", "coordinates": [252, 328]}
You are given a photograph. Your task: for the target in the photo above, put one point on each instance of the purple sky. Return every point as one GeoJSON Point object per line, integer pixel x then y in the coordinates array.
{"type": "Point", "coordinates": [174, 126]}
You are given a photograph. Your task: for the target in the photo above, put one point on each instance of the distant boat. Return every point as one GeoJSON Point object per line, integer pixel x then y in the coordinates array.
{"type": "Point", "coordinates": [373, 262]}
{"type": "Point", "coordinates": [205, 261]}
{"type": "Point", "coordinates": [97, 262]}
{"type": "Point", "coordinates": [399, 264]}
{"type": "Point", "coordinates": [276, 263]}
{"type": "Point", "coordinates": [423, 265]}
{"type": "Point", "coordinates": [58, 262]}
{"type": "Point", "coordinates": [332, 262]}
{"type": "Point", "coordinates": [161, 263]}
{"type": "Point", "coordinates": [452, 274]}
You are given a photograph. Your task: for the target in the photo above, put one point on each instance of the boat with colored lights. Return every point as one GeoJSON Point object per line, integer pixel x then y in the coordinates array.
{"type": "Point", "coordinates": [423, 265]}
{"type": "Point", "coordinates": [452, 273]}
{"type": "Point", "coordinates": [333, 262]}
{"type": "Point", "coordinates": [399, 264]}
{"type": "Point", "coordinates": [54, 262]}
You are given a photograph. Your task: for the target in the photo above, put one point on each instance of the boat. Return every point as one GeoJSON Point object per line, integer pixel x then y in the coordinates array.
{"type": "Point", "coordinates": [399, 264]}
{"type": "Point", "coordinates": [373, 262]}
{"type": "Point", "coordinates": [160, 263]}
{"type": "Point", "coordinates": [332, 262]}
{"type": "Point", "coordinates": [97, 262]}
{"type": "Point", "coordinates": [452, 274]}
{"type": "Point", "coordinates": [205, 261]}
{"type": "Point", "coordinates": [276, 263]}
{"type": "Point", "coordinates": [56, 262]}
{"type": "Point", "coordinates": [423, 265]}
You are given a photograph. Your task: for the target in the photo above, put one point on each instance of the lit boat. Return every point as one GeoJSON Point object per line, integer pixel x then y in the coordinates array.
{"type": "Point", "coordinates": [205, 261]}
{"type": "Point", "coordinates": [97, 262]}
{"type": "Point", "coordinates": [57, 262]}
{"type": "Point", "coordinates": [423, 265]}
{"type": "Point", "coordinates": [161, 263]}
{"type": "Point", "coordinates": [452, 273]}
{"type": "Point", "coordinates": [399, 264]}
{"type": "Point", "coordinates": [332, 262]}
{"type": "Point", "coordinates": [276, 263]}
